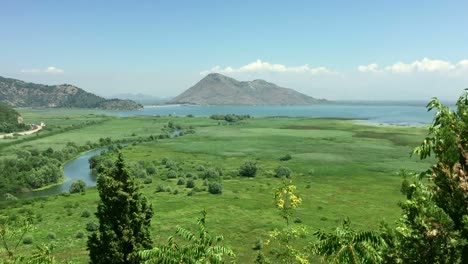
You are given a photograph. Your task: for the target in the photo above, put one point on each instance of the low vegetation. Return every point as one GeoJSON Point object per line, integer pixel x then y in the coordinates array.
{"type": "Point", "coordinates": [337, 176]}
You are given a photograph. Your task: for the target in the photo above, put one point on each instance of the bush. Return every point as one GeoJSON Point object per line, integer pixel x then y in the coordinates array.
{"type": "Point", "coordinates": [151, 170]}
{"type": "Point", "coordinates": [190, 183]}
{"type": "Point", "coordinates": [148, 181]}
{"type": "Point", "coordinates": [286, 157]}
{"type": "Point", "coordinates": [189, 175]}
{"type": "Point", "coordinates": [200, 168]}
{"type": "Point", "coordinates": [281, 172]}
{"type": "Point", "coordinates": [27, 240]}
{"type": "Point", "coordinates": [85, 214]}
{"type": "Point", "coordinates": [171, 174]}
{"type": "Point", "coordinates": [176, 191]}
{"type": "Point", "coordinates": [248, 169]}
{"type": "Point", "coordinates": [78, 187]}
{"type": "Point", "coordinates": [215, 188]}
{"type": "Point", "coordinates": [91, 226]}
{"type": "Point", "coordinates": [79, 234]}
{"type": "Point", "coordinates": [181, 181]}
{"type": "Point", "coordinates": [51, 236]}
{"type": "Point", "coordinates": [210, 174]}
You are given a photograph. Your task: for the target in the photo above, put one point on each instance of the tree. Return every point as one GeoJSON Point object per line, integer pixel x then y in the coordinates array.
{"type": "Point", "coordinates": [199, 247]}
{"type": "Point", "coordinates": [78, 187]}
{"type": "Point", "coordinates": [348, 246]}
{"type": "Point", "coordinates": [124, 218]}
{"type": "Point", "coordinates": [434, 224]}
{"type": "Point", "coordinates": [248, 169]}
{"type": "Point", "coordinates": [281, 172]}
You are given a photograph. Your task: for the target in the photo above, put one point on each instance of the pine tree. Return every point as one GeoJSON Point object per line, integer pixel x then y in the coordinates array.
{"type": "Point", "coordinates": [124, 218]}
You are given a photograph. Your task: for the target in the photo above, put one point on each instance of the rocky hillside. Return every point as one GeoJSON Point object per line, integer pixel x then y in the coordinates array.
{"type": "Point", "coordinates": [10, 120]}
{"type": "Point", "coordinates": [217, 89]}
{"type": "Point", "coordinates": [17, 93]}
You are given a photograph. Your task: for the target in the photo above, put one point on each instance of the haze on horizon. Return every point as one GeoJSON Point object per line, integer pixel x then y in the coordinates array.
{"type": "Point", "coordinates": [399, 50]}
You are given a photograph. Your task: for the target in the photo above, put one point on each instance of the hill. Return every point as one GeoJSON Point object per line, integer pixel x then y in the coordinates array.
{"type": "Point", "coordinates": [10, 120]}
{"type": "Point", "coordinates": [18, 93]}
{"type": "Point", "coordinates": [217, 89]}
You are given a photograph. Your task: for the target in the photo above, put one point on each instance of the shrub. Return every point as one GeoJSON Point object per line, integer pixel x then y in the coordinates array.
{"type": "Point", "coordinates": [151, 170]}
{"type": "Point", "coordinates": [248, 169]}
{"type": "Point", "coordinates": [27, 240]}
{"type": "Point", "coordinates": [200, 168]}
{"type": "Point", "coordinates": [148, 181]}
{"type": "Point", "coordinates": [51, 236]}
{"type": "Point", "coordinates": [258, 245]}
{"type": "Point", "coordinates": [78, 187]}
{"type": "Point", "coordinates": [160, 188]}
{"type": "Point", "coordinates": [191, 193]}
{"type": "Point", "coordinates": [286, 157]}
{"type": "Point", "coordinates": [181, 181]}
{"type": "Point", "coordinates": [85, 214]}
{"type": "Point", "coordinates": [281, 172]}
{"type": "Point", "coordinates": [171, 174]}
{"type": "Point", "coordinates": [210, 174]}
{"type": "Point", "coordinates": [79, 234]}
{"type": "Point", "coordinates": [91, 226]}
{"type": "Point", "coordinates": [189, 175]}
{"type": "Point", "coordinates": [176, 191]}
{"type": "Point", "coordinates": [215, 188]}
{"type": "Point", "coordinates": [190, 183]}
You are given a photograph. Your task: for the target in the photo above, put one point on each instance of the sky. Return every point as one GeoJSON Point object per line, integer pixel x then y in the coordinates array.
{"type": "Point", "coordinates": [348, 50]}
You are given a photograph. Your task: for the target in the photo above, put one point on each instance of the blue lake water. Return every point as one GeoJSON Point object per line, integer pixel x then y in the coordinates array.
{"type": "Point", "coordinates": [381, 114]}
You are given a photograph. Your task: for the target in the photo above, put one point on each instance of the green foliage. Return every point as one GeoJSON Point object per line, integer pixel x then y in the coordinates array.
{"type": "Point", "coordinates": [248, 169]}
{"type": "Point", "coordinates": [9, 120]}
{"type": "Point", "coordinates": [85, 214]}
{"type": "Point", "coordinates": [346, 245]}
{"type": "Point", "coordinates": [122, 203]}
{"type": "Point", "coordinates": [51, 235]}
{"type": "Point", "coordinates": [210, 174]}
{"type": "Point", "coordinates": [215, 188]}
{"type": "Point", "coordinates": [12, 233]}
{"type": "Point", "coordinates": [285, 157]}
{"type": "Point", "coordinates": [434, 224]}
{"type": "Point", "coordinates": [190, 183]}
{"type": "Point", "coordinates": [181, 181]}
{"type": "Point", "coordinates": [27, 240]}
{"type": "Point", "coordinates": [281, 172]}
{"type": "Point", "coordinates": [78, 187]}
{"type": "Point", "coordinates": [31, 170]}
{"type": "Point", "coordinates": [171, 174]}
{"type": "Point", "coordinates": [200, 247]}
{"type": "Point", "coordinates": [230, 118]}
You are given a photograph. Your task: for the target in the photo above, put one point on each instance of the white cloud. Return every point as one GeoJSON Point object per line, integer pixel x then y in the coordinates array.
{"type": "Point", "coordinates": [424, 65]}
{"type": "Point", "coordinates": [263, 66]}
{"type": "Point", "coordinates": [48, 70]}
{"type": "Point", "coordinates": [373, 67]}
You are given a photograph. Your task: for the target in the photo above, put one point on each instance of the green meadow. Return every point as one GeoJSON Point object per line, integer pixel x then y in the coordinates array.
{"type": "Point", "coordinates": [341, 169]}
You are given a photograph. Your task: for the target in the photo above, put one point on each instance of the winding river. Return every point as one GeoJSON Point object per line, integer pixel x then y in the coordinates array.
{"type": "Point", "coordinates": [76, 169]}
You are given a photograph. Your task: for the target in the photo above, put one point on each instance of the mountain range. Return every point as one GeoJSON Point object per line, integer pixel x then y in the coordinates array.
{"type": "Point", "coordinates": [17, 93]}
{"type": "Point", "coordinates": [217, 89]}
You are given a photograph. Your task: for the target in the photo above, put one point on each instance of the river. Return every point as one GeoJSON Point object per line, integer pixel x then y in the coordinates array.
{"type": "Point", "coordinates": [76, 169]}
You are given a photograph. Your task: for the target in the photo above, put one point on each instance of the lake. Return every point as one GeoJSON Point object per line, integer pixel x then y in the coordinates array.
{"type": "Point", "coordinates": [396, 114]}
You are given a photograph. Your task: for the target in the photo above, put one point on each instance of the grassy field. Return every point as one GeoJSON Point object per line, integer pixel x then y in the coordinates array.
{"type": "Point", "coordinates": [341, 168]}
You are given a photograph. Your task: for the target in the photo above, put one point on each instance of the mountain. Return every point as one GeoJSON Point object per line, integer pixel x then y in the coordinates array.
{"type": "Point", "coordinates": [217, 89]}
{"type": "Point", "coordinates": [10, 120]}
{"type": "Point", "coordinates": [144, 99]}
{"type": "Point", "coordinates": [17, 93]}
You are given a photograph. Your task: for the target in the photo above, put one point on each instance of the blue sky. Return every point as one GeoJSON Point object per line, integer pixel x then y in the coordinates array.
{"type": "Point", "coordinates": [317, 47]}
